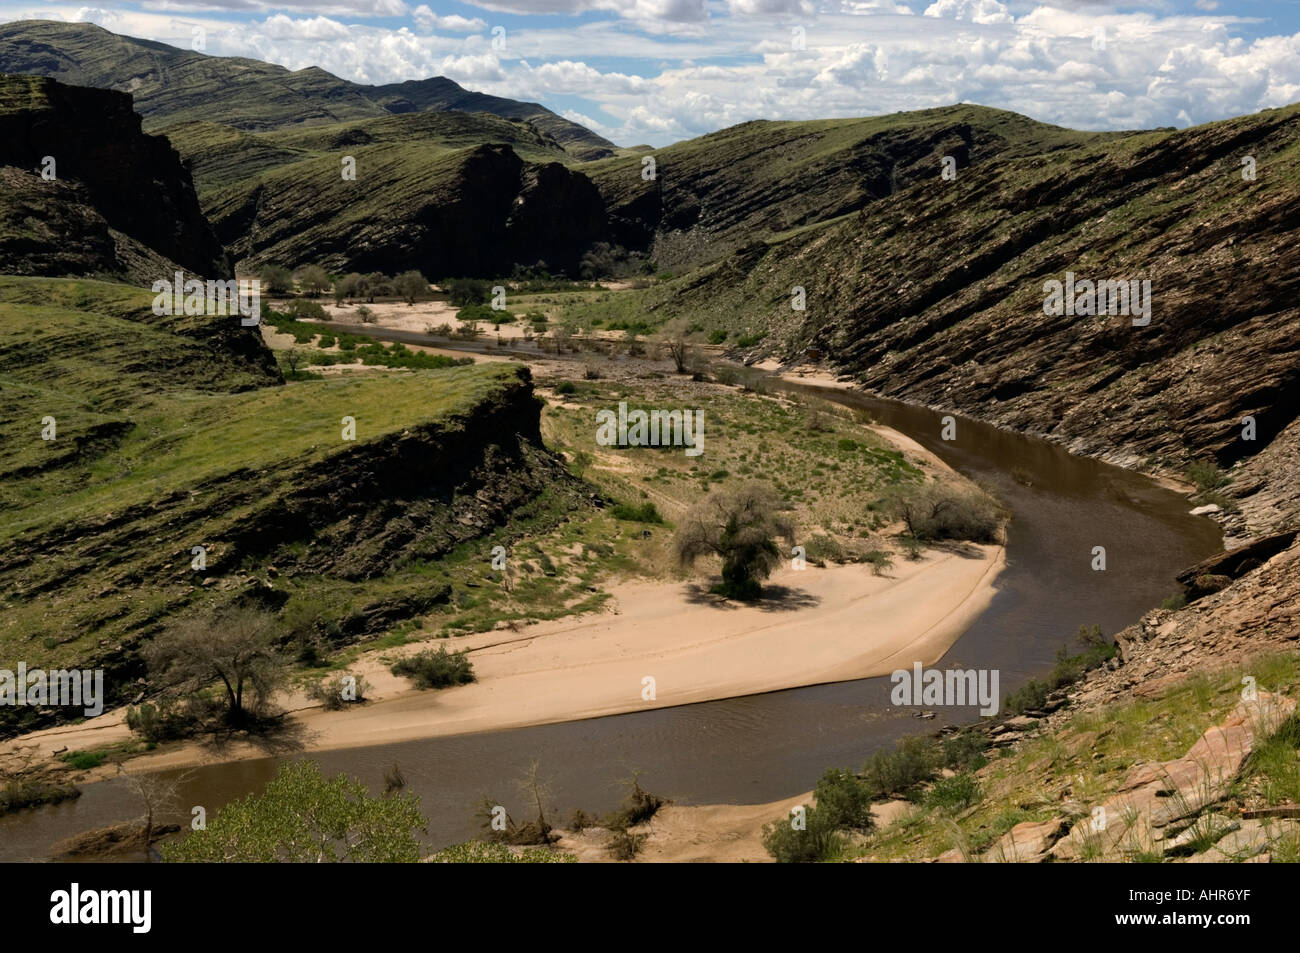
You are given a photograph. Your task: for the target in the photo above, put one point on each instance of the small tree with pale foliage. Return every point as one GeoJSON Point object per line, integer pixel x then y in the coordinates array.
{"type": "Point", "coordinates": [740, 526]}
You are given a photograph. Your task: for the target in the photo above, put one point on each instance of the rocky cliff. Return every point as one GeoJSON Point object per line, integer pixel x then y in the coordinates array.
{"type": "Point", "coordinates": [475, 211]}
{"type": "Point", "coordinates": [112, 201]}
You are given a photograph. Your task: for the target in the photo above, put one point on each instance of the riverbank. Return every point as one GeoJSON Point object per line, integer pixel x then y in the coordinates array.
{"type": "Point", "coordinates": [816, 626]}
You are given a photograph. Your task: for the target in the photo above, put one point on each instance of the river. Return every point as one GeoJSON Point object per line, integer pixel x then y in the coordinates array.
{"type": "Point", "coordinates": [764, 747]}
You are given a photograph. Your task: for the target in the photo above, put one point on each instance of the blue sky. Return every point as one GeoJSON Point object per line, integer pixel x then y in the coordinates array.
{"type": "Point", "coordinates": [655, 71]}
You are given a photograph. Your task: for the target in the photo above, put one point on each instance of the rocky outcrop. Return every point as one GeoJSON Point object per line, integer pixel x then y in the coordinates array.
{"type": "Point", "coordinates": [114, 201]}
{"type": "Point", "coordinates": [477, 211]}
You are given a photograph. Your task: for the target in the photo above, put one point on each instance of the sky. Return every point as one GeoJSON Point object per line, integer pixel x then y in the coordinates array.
{"type": "Point", "coordinates": [657, 71]}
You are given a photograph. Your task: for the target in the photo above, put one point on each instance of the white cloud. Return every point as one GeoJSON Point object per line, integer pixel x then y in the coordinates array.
{"type": "Point", "coordinates": [427, 21]}
{"type": "Point", "coordinates": [976, 11]}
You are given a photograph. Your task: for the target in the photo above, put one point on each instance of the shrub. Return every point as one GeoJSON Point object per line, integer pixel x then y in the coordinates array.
{"type": "Point", "coordinates": [302, 308]}
{"type": "Point", "coordinates": [1177, 601]}
{"type": "Point", "coordinates": [436, 669]}
{"type": "Point", "coordinates": [879, 561]}
{"type": "Point", "coordinates": [953, 794]}
{"type": "Point", "coordinates": [1028, 697]}
{"type": "Point", "coordinates": [934, 511]}
{"type": "Point", "coordinates": [845, 800]}
{"type": "Point", "coordinates": [1206, 475]}
{"type": "Point", "coordinates": [466, 291]}
{"type": "Point", "coordinates": [645, 513]}
{"type": "Point", "coordinates": [624, 845]}
{"type": "Point", "coordinates": [964, 751]}
{"type": "Point", "coordinates": [821, 548]}
{"type": "Point", "coordinates": [333, 692]}
{"type": "Point", "coordinates": [566, 387]}
{"type": "Point", "coordinates": [84, 760]}
{"type": "Point", "coordinates": [717, 337]}
{"type": "Point", "coordinates": [818, 841]}
{"type": "Point", "coordinates": [164, 721]}
{"type": "Point", "coordinates": [889, 773]}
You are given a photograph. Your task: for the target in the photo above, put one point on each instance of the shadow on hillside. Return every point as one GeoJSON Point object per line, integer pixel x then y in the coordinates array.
{"type": "Point", "coordinates": [774, 599]}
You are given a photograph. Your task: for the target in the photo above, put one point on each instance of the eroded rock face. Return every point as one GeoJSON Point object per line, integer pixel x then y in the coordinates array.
{"type": "Point", "coordinates": [476, 211]}
{"type": "Point", "coordinates": [1139, 817]}
{"type": "Point", "coordinates": [120, 201]}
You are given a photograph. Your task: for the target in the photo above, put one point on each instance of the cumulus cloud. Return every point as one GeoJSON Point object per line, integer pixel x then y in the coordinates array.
{"type": "Point", "coordinates": [427, 21]}
{"type": "Point", "coordinates": [698, 68]}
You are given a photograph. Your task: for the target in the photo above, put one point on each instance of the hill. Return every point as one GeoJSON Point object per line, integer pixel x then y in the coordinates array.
{"type": "Point", "coordinates": [173, 85]}
{"type": "Point", "coordinates": [347, 537]}
{"type": "Point", "coordinates": [716, 193]}
{"type": "Point", "coordinates": [76, 166]}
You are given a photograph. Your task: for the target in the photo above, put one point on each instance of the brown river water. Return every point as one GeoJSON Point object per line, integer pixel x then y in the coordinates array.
{"type": "Point", "coordinates": [764, 747]}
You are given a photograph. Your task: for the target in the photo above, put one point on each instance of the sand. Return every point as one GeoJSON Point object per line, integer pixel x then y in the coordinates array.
{"type": "Point", "coordinates": [828, 625]}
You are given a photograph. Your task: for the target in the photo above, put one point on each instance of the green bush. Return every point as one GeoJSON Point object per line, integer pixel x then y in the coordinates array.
{"type": "Point", "coordinates": [935, 511]}
{"type": "Point", "coordinates": [891, 773]}
{"type": "Point", "coordinates": [821, 549]}
{"type": "Point", "coordinates": [818, 841]}
{"type": "Point", "coordinates": [566, 387]}
{"type": "Point", "coordinates": [1206, 475]}
{"type": "Point", "coordinates": [964, 751]}
{"type": "Point", "coordinates": [330, 692]}
{"type": "Point", "coordinates": [165, 721]}
{"type": "Point", "coordinates": [879, 561]}
{"type": "Point", "coordinates": [953, 794]}
{"type": "Point", "coordinates": [84, 760]}
{"type": "Point", "coordinates": [845, 800]}
{"type": "Point", "coordinates": [302, 308]}
{"type": "Point", "coordinates": [647, 512]}
{"type": "Point", "coordinates": [1028, 697]}
{"type": "Point", "coordinates": [717, 337]}
{"type": "Point", "coordinates": [436, 669]}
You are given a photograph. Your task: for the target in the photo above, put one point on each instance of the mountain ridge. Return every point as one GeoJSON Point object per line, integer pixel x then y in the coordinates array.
{"type": "Point", "coordinates": [170, 84]}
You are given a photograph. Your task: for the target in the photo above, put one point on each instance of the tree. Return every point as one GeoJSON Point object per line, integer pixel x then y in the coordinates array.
{"type": "Point", "coordinates": [738, 525]}
{"type": "Point", "coordinates": [302, 817]}
{"type": "Point", "coordinates": [157, 793]}
{"type": "Point", "coordinates": [235, 648]}
{"type": "Point", "coordinates": [365, 314]}
{"type": "Point", "coordinates": [412, 286]}
{"type": "Point", "coordinates": [935, 511]}
{"type": "Point", "coordinates": [377, 284]}
{"type": "Point", "coordinates": [313, 280]}
{"type": "Point", "coordinates": [293, 357]}
{"type": "Point", "coordinates": [673, 339]}
{"type": "Point", "coordinates": [276, 279]}
{"type": "Point", "coordinates": [463, 292]}
{"type": "Point", "coordinates": [352, 285]}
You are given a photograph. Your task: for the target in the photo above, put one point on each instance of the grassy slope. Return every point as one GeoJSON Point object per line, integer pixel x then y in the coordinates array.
{"type": "Point", "coordinates": [222, 156]}
{"type": "Point", "coordinates": [172, 85]}
{"type": "Point", "coordinates": [95, 533]}
{"type": "Point", "coordinates": [732, 187]}
{"type": "Point", "coordinates": [1085, 760]}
